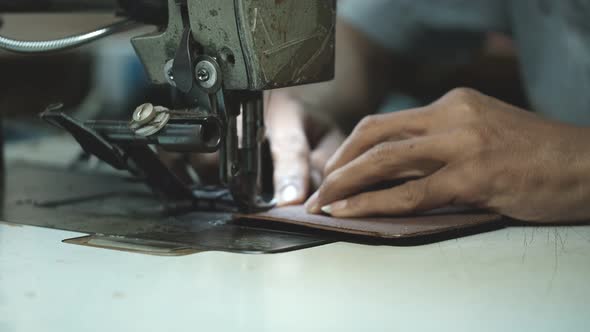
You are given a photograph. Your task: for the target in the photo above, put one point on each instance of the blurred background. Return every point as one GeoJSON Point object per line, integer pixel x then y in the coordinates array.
{"type": "Point", "coordinates": [101, 80]}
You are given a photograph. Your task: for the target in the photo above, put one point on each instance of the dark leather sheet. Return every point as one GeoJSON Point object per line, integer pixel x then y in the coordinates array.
{"type": "Point", "coordinates": [381, 227]}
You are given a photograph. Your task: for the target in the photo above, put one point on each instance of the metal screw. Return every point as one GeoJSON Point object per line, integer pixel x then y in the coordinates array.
{"type": "Point", "coordinates": [203, 75]}
{"type": "Point", "coordinates": [149, 119]}
{"type": "Point", "coordinates": [144, 111]}
{"type": "Point", "coordinates": [207, 74]}
{"type": "Point", "coordinates": [144, 114]}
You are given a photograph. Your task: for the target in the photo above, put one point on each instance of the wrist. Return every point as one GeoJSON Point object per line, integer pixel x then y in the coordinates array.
{"type": "Point", "coordinates": [574, 169]}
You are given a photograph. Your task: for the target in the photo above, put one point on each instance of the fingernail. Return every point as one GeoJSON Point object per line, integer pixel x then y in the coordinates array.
{"type": "Point", "coordinates": [289, 193]}
{"type": "Point", "coordinates": [334, 207]}
{"type": "Point", "coordinates": [312, 203]}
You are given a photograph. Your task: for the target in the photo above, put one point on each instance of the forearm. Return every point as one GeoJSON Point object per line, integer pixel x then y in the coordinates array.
{"type": "Point", "coordinates": [567, 184]}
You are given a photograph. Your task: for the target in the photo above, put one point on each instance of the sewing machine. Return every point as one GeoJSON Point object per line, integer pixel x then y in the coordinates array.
{"type": "Point", "coordinates": [218, 56]}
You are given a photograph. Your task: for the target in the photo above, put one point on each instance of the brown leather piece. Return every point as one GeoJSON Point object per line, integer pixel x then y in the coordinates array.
{"type": "Point", "coordinates": [381, 227]}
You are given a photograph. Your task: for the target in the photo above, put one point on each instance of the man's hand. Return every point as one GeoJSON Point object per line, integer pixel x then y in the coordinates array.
{"type": "Point", "coordinates": [300, 144]}
{"type": "Point", "coordinates": [300, 147]}
{"type": "Point", "coordinates": [465, 149]}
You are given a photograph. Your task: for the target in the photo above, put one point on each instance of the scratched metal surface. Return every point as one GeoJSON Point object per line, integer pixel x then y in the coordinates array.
{"type": "Point", "coordinates": [115, 206]}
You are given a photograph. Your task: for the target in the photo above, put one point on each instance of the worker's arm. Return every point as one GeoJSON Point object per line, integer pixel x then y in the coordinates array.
{"type": "Point", "coordinates": [300, 120]}
{"type": "Point", "coordinates": [465, 149]}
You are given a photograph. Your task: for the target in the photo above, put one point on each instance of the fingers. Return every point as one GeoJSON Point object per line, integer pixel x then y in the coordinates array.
{"type": "Point", "coordinates": [291, 175]}
{"type": "Point", "coordinates": [289, 148]}
{"type": "Point", "coordinates": [206, 166]}
{"type": "Point", "coordinates": [322, 153]}
{"type": "Point", "coordinates": [384, 162]}
{"type": "Point", "coordinates": [435, 191]}
{"type": "Point", "coordinates": [176, 162]}
{"type": "Point", "coordinates": [326, 148]}
{"type": "Point", "coordinates": [375, 129]}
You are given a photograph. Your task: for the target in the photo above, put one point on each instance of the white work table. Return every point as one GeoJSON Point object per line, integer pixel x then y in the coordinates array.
{"type": "Point", "coordinates": [514, 279]}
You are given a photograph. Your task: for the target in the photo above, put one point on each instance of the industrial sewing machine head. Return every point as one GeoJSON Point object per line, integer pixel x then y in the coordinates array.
{"type": "Point", "coordinates": [218, 56]}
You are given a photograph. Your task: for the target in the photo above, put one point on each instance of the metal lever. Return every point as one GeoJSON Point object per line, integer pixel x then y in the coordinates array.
{"type": "Point", "coordinates": [90, 141]}
{"type": "Point", "coordinates": [174, 137]}
{"type": "Point", "coordinates": [182, 66]}
{"type": "Point", "coordinates": [134, 158]}
{"type": "Point", "coordinates": [118, 145]}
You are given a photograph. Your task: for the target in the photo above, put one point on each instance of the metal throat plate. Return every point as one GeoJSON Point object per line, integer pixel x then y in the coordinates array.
{"type": "Point", "coordinates": [120, 213]}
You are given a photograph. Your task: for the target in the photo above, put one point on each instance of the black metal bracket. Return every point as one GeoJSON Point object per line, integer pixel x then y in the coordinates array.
{"type": "Point", "coordinates": [132, 153]}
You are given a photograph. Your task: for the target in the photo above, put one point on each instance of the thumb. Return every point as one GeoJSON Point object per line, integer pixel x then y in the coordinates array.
{"type": "Point", "coordinates": [322, 153]}
{"type": "Point", "coordinates": [289, 148]}
{"type": "Point", "coordinates": [291, 174]}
